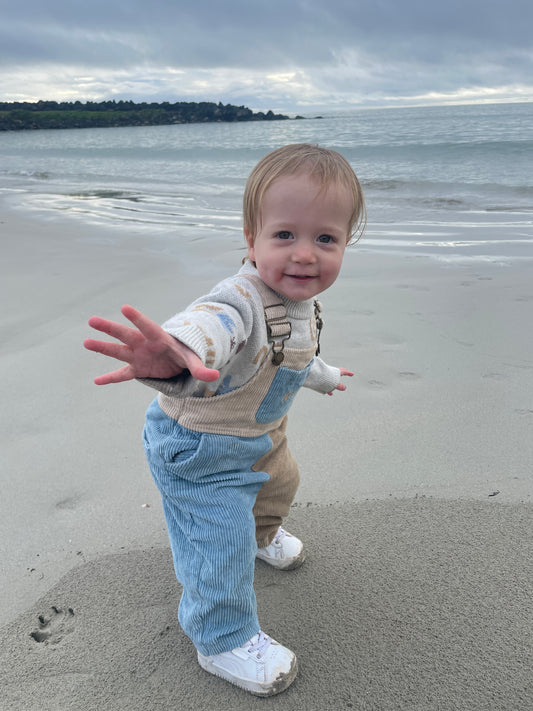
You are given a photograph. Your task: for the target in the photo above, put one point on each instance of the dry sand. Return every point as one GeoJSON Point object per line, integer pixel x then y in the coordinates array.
{"type": "Point", "coordinates": [415, 503]}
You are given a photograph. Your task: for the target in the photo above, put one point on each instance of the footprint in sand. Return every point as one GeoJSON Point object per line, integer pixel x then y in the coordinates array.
{"type": "Point", "coordinates": [54, 625]}
{"type": "Point", "coordinates": [408, 375]}
{"type": "Point", "coordinates": [416, 287]}
{"type": "Point", "coordinates": [362, 312]}
{"type": "Point", "coordinates": [377, 384]}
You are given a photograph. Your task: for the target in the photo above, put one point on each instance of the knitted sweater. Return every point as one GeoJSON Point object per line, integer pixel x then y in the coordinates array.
{"type": "Point", "coordinates": [226, 329]}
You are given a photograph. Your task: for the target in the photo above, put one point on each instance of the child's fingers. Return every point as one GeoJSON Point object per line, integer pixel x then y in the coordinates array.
{"type": "Point", "coordinates": [114, 350]}
{"type": "Point", "coordinates": [115, 330]}
{"type": "Point", "coordinates": [196, 368]}
{"type": "Point", "coordinates": [340, 386]}
{"type": "Point", "coordinates": [207, 375]}
{"type": "Point", "coordinates": [150, 329]}
{"type": "Point", "coordinates": [116, 376]}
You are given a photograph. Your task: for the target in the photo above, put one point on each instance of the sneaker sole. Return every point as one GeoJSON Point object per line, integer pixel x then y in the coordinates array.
{"type": "Point", "coordinates": [282, 682]}
{"type": "Point", "coordinates": [281, 564]}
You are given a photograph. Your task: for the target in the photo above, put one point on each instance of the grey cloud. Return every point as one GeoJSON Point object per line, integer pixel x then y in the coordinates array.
{"type": "Point", "coordinates": [278, 32]}
{"type": "Point", "coordinates": [351, 47]}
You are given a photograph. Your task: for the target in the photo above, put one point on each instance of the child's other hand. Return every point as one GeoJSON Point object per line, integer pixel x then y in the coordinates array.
{"type": "Point", "coordinates": [149, 351]}
{"type": "Point", "coordinates": [340, 386]}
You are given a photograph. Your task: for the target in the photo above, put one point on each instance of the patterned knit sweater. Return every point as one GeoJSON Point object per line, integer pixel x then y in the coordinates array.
{"type": "Point", "coordinates": [226, 329]}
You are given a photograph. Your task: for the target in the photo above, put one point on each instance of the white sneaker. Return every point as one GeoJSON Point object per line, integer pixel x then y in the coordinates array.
{"type": "Point", "coordinates": [286, 552]}
{"type": "Point", "coordinates": [262, 666]}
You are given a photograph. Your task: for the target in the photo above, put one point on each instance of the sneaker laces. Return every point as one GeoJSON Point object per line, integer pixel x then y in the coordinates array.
{"type": "Point", "coordinates": [280, 535]}
{"type": "Point", "coordinates": [261, 644]}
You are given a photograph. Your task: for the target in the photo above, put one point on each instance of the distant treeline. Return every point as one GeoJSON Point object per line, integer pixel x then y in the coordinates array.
{"type": "Point", "coordinates": [17, 116]}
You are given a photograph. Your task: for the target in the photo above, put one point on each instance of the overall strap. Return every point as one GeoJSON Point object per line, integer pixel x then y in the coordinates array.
{"type": "Point", "coordinates": [277, 324]}
{"type": "Point", "coordinates": [278, 327]}
{"type": "Point", "coordinates": [319, 324]}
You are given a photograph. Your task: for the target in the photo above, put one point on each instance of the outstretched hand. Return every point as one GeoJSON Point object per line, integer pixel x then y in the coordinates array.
{"type": "Point", "coordinates": [341, 386]}
{"type": "Point", "coordinates": [149, 351]}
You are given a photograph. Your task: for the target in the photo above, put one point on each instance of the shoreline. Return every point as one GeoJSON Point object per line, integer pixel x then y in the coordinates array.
{"type": "Point", "coordinates": [436, 420]}
{"type": "Point", "coordinates": [105, 215]}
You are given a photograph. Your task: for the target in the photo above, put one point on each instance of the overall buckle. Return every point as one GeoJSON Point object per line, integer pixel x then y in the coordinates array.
{"type": "Point", "coordinates": [278, 330]}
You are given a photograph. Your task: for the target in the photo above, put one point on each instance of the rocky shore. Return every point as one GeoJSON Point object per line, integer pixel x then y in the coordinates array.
{"type": "Point", "coordinates": [17, 116]}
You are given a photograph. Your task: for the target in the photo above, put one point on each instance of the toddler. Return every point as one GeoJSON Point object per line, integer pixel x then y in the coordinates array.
{"type": "Point", "coordinates": [227, 370]}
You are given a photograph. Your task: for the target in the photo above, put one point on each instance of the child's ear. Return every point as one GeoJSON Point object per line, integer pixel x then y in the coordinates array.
{"type": "Point", "coordinates": [250, 243]}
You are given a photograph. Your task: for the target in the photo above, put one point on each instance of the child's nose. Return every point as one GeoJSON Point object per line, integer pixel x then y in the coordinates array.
{"type": "Point", "coordinates": [304, 252]}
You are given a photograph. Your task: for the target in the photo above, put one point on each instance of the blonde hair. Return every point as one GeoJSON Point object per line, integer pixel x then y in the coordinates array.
{"type": "Point", "coordinates": [324, 164]}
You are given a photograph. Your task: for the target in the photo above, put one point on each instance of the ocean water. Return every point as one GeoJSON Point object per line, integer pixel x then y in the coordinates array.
{"type": "Point", "coordinates": [454, 183]}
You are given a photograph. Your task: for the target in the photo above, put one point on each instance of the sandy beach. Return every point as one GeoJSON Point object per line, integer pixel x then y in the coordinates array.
{"type": "Point", "coordinates": [415, 503]}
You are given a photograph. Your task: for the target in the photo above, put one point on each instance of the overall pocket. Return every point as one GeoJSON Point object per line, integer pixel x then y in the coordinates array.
{"type": "Point", "coordinates": [280, 395]}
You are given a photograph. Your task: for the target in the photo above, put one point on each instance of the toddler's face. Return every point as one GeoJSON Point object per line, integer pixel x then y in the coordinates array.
{"type": "Point", "coordinates": [302, 235]}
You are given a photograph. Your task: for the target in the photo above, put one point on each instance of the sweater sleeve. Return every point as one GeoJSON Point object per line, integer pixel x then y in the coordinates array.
{"type": "Point", "coordinates": [322, 377]}
{"type": "Point", "coordinates": [221, 328]}
{"type": "Point", "coordinates": [216, 326]}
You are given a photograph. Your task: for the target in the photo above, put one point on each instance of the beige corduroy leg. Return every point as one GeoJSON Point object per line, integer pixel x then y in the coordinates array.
{"type": "Point", "coordinates": [275, 497]}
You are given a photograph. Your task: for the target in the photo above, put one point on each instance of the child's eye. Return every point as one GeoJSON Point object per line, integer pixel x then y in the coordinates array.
{"type": "Point", "coordinates": [326, 239]}
{"type": "Point", "coordinates": [284, 234]}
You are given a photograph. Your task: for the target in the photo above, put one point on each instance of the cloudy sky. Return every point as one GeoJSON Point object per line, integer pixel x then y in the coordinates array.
{"type": "Point", "coordinates": [285, 55]}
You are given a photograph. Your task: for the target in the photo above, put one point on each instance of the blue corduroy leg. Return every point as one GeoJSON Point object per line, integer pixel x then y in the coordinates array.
{"type": "Point", "coordinates": [209, 489]}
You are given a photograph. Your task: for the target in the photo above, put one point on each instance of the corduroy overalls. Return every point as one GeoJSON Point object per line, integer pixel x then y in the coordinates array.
{"type": "Point", "coordinates": [227, 480]}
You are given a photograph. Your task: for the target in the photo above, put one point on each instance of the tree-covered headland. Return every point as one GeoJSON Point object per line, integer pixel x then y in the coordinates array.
{"type": "Point", "coordinates": [16, 116]}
